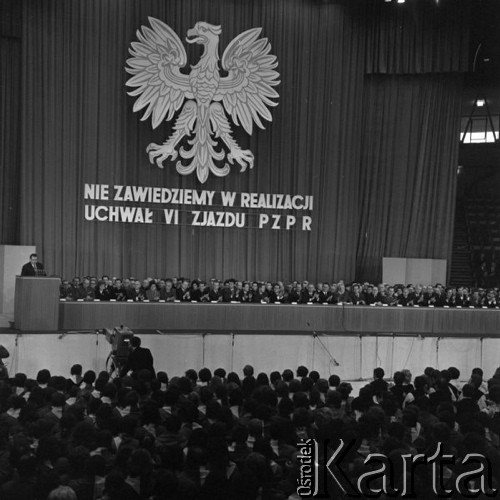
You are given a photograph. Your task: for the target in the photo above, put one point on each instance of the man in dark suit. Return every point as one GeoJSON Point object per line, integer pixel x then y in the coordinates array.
{"type": "Point", "coordinates": [33, 267]}
{"type": "Point", "coordinates": [139, 358]}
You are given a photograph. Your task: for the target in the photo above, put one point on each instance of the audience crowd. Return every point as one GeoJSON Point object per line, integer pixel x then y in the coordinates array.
{"type": "Point", "coordinates": [231, 290]}
{"type": "Point", "coordinates": [222, 436]}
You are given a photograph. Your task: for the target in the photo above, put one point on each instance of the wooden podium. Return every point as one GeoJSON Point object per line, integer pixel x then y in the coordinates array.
{"type": "Point", "coordinates": [36, 305]}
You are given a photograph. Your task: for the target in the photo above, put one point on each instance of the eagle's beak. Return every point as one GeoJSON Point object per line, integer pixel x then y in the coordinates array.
{"type": "Point", "coordinates": [192, 36]}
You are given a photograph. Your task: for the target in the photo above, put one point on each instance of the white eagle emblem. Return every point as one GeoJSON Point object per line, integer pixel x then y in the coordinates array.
{"type": "Point", "coordinates": [244, 94]}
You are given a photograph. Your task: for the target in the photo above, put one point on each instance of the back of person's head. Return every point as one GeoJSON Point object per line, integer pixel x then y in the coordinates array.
{"type": "Point", "coordinates": [89, 377]}
{"type": "Point", "coordinates": [295, 386]}
{"type": "Point", "coordinates": [282, 389]}
{"type": "Point", "coordinates": [445, 374]}
{"type": "Point", "coordinates": [239, 434]}
{"type": "Point", "coordinates": [16, 402]}
{"type": "Point", "coordinates": [287, 375]}
{"type": "Point", "coordinates": [322, 385]}
{"type": "Point", "coordinates": [166, 485]}
{"type": "Point", "coordinates": [162, 377]}
{"type": "Point", "coordinates": [478, 371]}
{"type": "Point", "coordinates": [20, 380]}
{"type": "Point", "coordinates": [314, 376]}
{"type": "Point", "coordinates": [248, 371]}
{"type": "Point", "coordinates": [43, 376]}
{"type": "Point", "coordinates": [300, 400]}
{"type": "Point", "coordinates": [100, 383]}
{"type": "Point", "coordinates": [233, 378]}
{"type": "Point", "coordinates": [27, 466]}
{"type": "Point", "coordinates": [454, 373]}
{"type": "Point", "coordinates": [262, 379]}
{"type": "Point", "coordinates": [429, 370]}
{"type": "Point", "coordinates": [345, 389]}
{"type": "Point", "coordinates": [302, 371]}
{"type": "Point", "coordinates": [448, 418]}
{"type": "Point", "coordinates": [205, 375]}
{"type": "Point", "coordinates": [220, 372]}
{"type": "Point", "coordinates": [62, 493]}
{"type": "Point", "coordinates": [476, 380]}
{"type": "Point", "coordinates": [135, 341]}
{"type": "Point", "coordinates": [192, 375]}
{"type": "Point", "coordinates": [333, 399]}
{"type": "Point", "coordinates": [236, 397]}
{"type": "Point", "coordinates": [275, 377]}
{"type": "Point", "coordinates": [113, 485]}
{"type": "Point", "coordinates": [334, 381]}
{"type": "Point", "coordinates": [76, 370]}
{"type": "Point", "coordinates": [307, 384]}
{"type": "Point", "coordinates": [378, 373]}
{"type": "Point", "coordinates": [441, 432]}
{"type": "Point", "coordinates": [57, 400]}
{"type": "Point", "coordinates": [468, 391]}
{"type": "Point", "coordinates": [421, 382]}
{"type": "Point", "coordinates": [398, 378]}
{"type": "Point", "coordinates": [109, 390]}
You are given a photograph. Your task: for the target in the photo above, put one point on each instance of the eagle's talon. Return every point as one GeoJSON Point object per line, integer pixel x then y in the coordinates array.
{"type": "Point", "coordinates": [244, 157]}
{"type": "Point", "coordinates": [159, 153]}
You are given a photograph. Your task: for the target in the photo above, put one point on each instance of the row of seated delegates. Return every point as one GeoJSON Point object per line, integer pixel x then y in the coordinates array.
{"type": "Point", "coordinates": [204, 435]}
{"type": "Point", "coordinates": [185, 290]}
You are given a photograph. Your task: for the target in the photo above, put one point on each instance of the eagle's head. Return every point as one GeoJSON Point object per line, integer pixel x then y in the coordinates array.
{"type": "Point", "coordinates": [203, 33]}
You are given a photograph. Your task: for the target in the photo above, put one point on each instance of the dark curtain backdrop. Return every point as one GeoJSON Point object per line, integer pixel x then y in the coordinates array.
{"type": "Point", "coordinates": [78, 126]}
{"type": "Point", "coordinates": [10, 120]}
{"type": "Point", "coordinates": [409, 169]}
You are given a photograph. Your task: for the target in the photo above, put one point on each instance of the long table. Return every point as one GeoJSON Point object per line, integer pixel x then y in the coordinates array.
{"type": "Point", "coordinates": [273, 318]}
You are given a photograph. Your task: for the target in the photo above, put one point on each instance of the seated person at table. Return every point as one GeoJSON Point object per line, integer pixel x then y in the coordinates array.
{"type": "Point", "coordinates": [66, 291]}
{"type": "Point", "coordinates": [139, 292]}
{"type": "Point", "coordinates": [491, 300]}
{"type": "Point", "coordinates": [309, 295]}
{"type": "Point", "coordinates": [476, 299]}
{"type": "Point", "coordinates": [85, 291]}
{"type": "Point", "coordinates": [145, 285]}
{"type": "Point", "coordinates": [229, 291]}
{"type": "Point", "coordinates": [168, 293]}
{"type": "Point", "coordinates": [462, 298]}
{"type": "Point", "coordinates": [404, 298]}
{"type": "Point", "coordinates": [214, 293]}
{"type": "Point", "coordinates": [380, 296]}
{"type": "Point", "coordinates": [356, 296]}
{"type": "Point", "coordinates": [255, 295]}
{"type": "Point", "coordinates": [295, 293]}
{"type": "Point", "coordinates": [195, 291]}
{"type": "Point", "coordinates": [273, 294]}
{"type": "Point", "coordinates": [264, 294]}
{"type": "Point", "coordinates": [183, 294]}
{"type": "Point", "coordinates": [152, 293]}
{"type": "Point", "coordinates": [75, 284]}
{"type": "Point", "coordinates": [342, 295]}
{"type": "Point", "coordinates": [391, 297]}
{"type": "Point", "coordinates": [119, 290]}
{"type": "Point", "coordinates": [246, 295]}
{"type": "Point", "coordinates": [102, 293]}
{"type": "Point", "coordinates": [325, 295]}
{"type": "Point", "coordinates": [160, 284]}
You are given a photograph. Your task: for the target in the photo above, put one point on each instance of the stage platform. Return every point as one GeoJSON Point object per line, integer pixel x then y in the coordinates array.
{"type": "Point", "coordinates": [346, 340]}
{"type": "Point", "coordinates": [282, 318]}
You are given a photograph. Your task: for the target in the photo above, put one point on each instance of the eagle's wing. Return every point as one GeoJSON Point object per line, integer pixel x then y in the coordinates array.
{"type": "Point", "coordinates": [155, 63]}
{"type": "Point", "coordinates": [247, 90]}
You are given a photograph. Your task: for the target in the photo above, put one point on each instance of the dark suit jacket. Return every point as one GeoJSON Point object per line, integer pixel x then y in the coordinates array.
{"type": "Point", "coordinates": [28, 270]}
{"type": "Point", "coordinates": [139, 359]}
